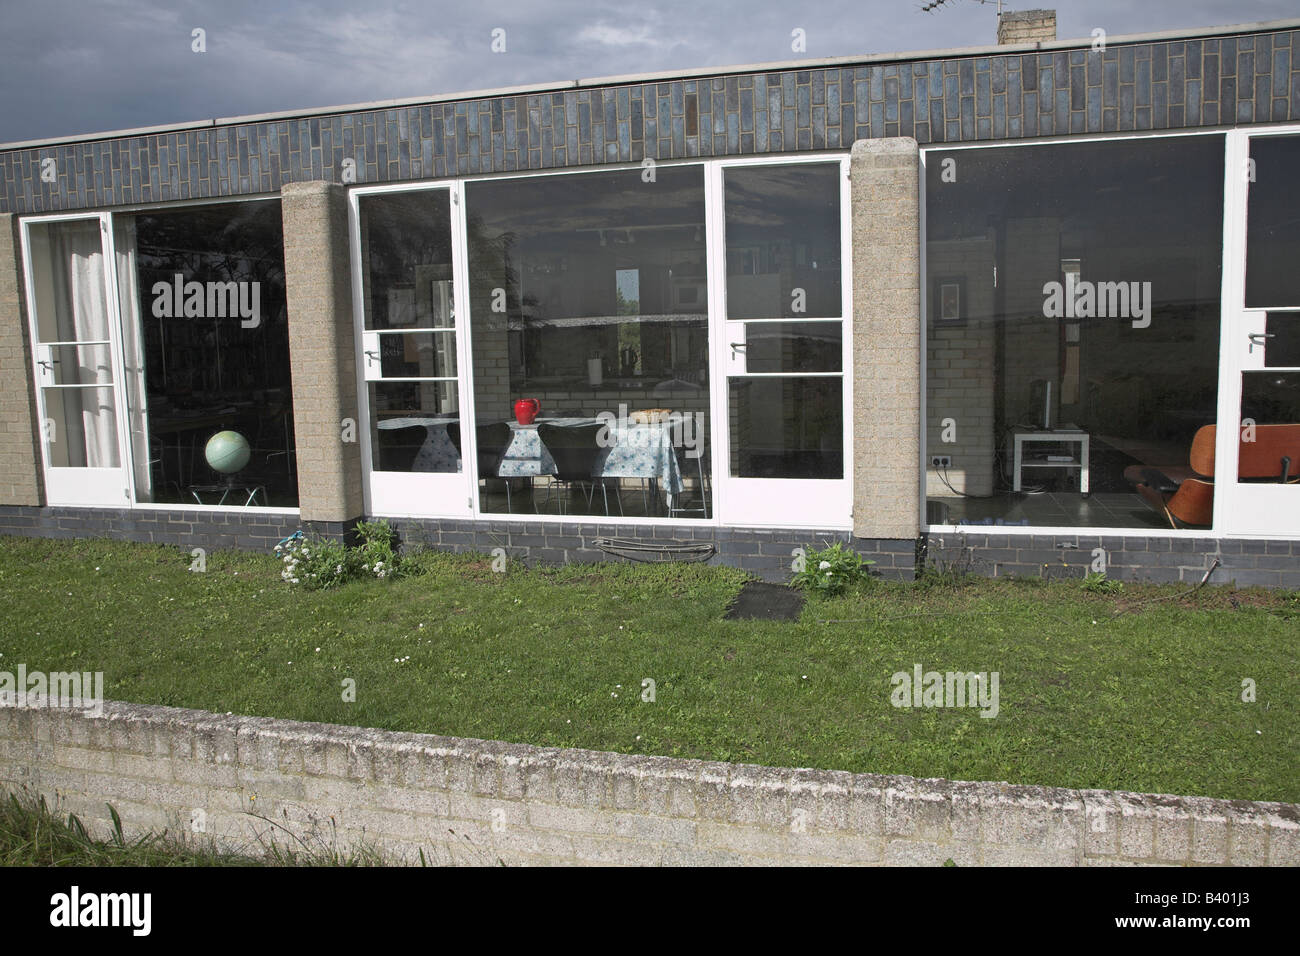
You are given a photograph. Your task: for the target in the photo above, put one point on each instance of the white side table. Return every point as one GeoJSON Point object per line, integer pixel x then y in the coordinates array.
{"type": "Point", "coordinates": [1027, 436]}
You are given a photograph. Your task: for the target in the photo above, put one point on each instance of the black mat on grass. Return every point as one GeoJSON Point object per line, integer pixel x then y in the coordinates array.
{"type": "Point", "coordinates": [765, 602]}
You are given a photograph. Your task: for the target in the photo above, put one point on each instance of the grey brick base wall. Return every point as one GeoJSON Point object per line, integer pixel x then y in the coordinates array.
{"type": "Point", "coordinates": [766, 553]}
{"type": "Point", "coordinates": [1158, 559]}
{"type": "Point", "coordinates": [482, 802]}
{"type": "Point", "coordinates": [212, 530]}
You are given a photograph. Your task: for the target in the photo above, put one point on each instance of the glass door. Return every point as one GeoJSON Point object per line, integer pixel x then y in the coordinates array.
{"type": "Point", "coordinates": [76, 361]}
{"type": "Point", "coordinates": [780, 296]}
{"type": "Point", "coordinates": [417, 445]}
{"type": "Point", "coordinates": [1259, 490]}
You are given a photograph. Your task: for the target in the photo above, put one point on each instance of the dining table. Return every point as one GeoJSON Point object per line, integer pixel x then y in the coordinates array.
{"type": "Point", "coordinates": [628, 450]}
{"type": "Point", "coordinates": [436, 453]}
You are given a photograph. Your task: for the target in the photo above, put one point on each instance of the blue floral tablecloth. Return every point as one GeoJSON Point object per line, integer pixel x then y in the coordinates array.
{"type": "Point", "coordinates": [527, 455]}
{"type": "Point", "coordinates": [631, 451]}
{"type": "Point", "coordinates": [642, 451]}
{"type": "Point", "coordinates": [437, 453]}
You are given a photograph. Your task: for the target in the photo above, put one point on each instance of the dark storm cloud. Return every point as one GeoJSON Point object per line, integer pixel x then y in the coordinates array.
{"type": "Point", "coordinates": [72, 68]}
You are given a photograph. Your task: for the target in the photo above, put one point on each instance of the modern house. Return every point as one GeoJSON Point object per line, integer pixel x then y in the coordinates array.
{"type": "Point", "coordinates": [1026, 305]}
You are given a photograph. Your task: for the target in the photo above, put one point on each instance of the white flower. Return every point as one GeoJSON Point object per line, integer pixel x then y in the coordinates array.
{"type": "Point", "coordinates": [823, 566]}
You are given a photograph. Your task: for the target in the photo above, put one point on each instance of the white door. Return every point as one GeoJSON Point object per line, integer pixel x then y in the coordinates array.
{"type": "Point", "coordinates": [779, 300]}
{"type": "Point", "coordinates": [1257, 480]}
{"type": "Point", "coordinates": [409, 282]}
{"type": "Point", "coordinates": [76, 361]}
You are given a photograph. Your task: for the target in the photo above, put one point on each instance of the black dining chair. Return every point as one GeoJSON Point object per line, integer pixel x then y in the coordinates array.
{"type": "Point", "coordinates": [493, 440]}
{"type": "Point", "coordinates": [575, 453]}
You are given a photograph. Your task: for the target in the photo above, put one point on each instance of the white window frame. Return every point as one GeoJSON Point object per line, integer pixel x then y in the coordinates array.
{"type": "Point", "coordinates": [1243, 510]}
{"type": "Point", "coordinates": [1219, 530]}
{"type": "Point", "coordinates": [717, 376]}
{"type": "Point", "coordinates": [117, 321]}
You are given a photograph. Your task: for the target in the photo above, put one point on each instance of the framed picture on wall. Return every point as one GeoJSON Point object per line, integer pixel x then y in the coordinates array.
{"type": "Point", "coordinates": [401, 305]}
{"type": "Point", "coordinates": [949, 296]}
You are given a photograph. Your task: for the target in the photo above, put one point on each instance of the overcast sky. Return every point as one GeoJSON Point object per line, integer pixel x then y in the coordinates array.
{"type": "Point", "coordinates": [68, 68]}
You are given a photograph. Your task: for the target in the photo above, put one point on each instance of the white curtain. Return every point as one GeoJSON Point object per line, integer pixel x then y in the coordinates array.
{"type": "Point", "coordinates": [137, 410]}
{"type": "Point", "coordinates": [81, 315]}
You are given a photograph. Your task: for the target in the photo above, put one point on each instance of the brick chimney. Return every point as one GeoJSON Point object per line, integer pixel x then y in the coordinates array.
{"type": "Point", "coordinates": [1026, 26]}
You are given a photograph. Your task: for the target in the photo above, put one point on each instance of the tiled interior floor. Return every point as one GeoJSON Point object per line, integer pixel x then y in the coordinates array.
{"type": "Point", "coordinates": [1059, 509]}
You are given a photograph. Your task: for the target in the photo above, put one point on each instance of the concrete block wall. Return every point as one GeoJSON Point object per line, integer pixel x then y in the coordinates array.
{"type": "Point", "coordinates": [886, 409]}
{"type": "Point", "coordinates": [475, 802]}
{"type": "Point", "coordinates": [20, 455]}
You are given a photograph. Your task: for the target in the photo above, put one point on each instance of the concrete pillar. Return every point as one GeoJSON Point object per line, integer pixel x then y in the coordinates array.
{"type": "Point", "coordinates": [322, 352]}
{"type": "Point", "coordinates": [20, 455]}
{"type": "Point", "coordinates": [886, 338]}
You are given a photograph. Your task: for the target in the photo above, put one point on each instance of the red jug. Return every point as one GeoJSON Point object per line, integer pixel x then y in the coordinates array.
{"type": "Point", "coordinates": [526, 410]}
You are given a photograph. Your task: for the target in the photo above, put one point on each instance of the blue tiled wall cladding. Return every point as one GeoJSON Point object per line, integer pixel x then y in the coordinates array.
{"type": "Point", "coordinates": [1141, 86]}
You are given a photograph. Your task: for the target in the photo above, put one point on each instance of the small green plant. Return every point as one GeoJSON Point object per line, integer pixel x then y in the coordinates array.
{"type": "Point", "coordinates": [319, 564]}
{"type": "Point", "coordinates": [376, 552]}
{"type": "Point", "coordinates": [831, 570]}
{"type": "Point", "coordinates": [1096, 582]}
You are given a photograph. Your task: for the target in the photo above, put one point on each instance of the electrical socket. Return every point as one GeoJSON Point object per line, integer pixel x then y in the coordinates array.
{"type": "Point", "coordinates": [940, 461]}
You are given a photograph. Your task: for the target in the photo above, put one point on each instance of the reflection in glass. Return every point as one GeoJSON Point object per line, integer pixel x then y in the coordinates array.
{"type": "Point", "coordinates": [417, 354]}
{"type": "Point", "coordinates": [207, 351]}
{"type": "Point", "coordinates": [1270, 446]}
{"type": "Point", "coordinates": [1282, 345]}
{"type": "Point", "coordinates": [787, 427]}
{"type": "Point", "coordinates": [783, 241]}
{"type": "Point", "coordinates": [80, 430]}
{"type": "Point", "coordinates": [81, 364]}
{"type": "Point", "coordinates": [417, 427]}
{"type": "Point", "coordinates": [1273, 222]}
{"type": "Point", "coordinates": [1077, 285]}
{"type": "Point", "coordinates": [588, 293]}
{"type": "Point", "coordinates": [406, 260]}
{"type": "Point", "coordinates": [793, 347]}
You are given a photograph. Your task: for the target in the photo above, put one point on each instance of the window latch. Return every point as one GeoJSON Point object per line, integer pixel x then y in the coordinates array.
{"type": "Point", "coordinates": [1258, 338]}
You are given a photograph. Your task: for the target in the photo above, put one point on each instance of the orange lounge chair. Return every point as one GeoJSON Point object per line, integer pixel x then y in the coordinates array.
{"type": "Point", "coordinates": [1186, 496]}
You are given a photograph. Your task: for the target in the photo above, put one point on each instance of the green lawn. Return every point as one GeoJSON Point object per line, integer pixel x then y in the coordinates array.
{"type": "Point", "coordinates": [1139, 690]}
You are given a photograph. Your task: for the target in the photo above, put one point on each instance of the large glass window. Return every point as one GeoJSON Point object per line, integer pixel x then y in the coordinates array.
{"type": "Point", "coordinates": [206, 342]}
{"type": "Point", "coordinates": [590, 343]}
{"type": "Point", "coordinates": [1073, 317]}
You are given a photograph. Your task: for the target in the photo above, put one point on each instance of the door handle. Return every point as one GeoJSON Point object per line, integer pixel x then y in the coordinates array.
{"type": "Point", "coordinates": [1258, 338]}
{"type": "Point", "coordinates": [738, 346]}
